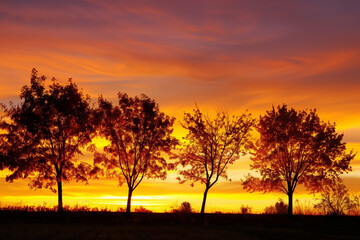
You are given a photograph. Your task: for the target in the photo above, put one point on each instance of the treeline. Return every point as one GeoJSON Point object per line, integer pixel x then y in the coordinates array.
{"type": "Point", "coordinates": [42, 137]}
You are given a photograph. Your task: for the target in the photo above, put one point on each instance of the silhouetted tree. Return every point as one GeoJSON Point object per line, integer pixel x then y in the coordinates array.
{"type": "Point", "coordinates": [279, 208]}
{"type": "Point", "coordinates": [185, 207]}
{"type": "Point", "coordinates": [210, 145]}
{"type": "Point", "coordinates": [336, 200]}
{"type": "Point", "coordinates": [295, 147]}
{"type": "Point", "coordinates": [139, 135]}
{"type": "Point", "coordinates": [44, 133]}
{"type": "Point", "coordinates": [245, 209]}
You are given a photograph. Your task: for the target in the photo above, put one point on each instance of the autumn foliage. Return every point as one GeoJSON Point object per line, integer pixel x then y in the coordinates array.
{"type": "Point", "coordinates": [42, 136]}
{"type": "Point", "coordinates": [211, 145]}
{"type": "Point", "coordinates": [294, 148]}
{"type": "Point", "coordinates": [45, 132]}
{"type": "Point", "coordinates": [139, 135]}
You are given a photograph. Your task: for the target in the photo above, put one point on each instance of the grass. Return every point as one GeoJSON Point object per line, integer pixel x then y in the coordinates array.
{"type": "Point", "coordinates": [112, 225]}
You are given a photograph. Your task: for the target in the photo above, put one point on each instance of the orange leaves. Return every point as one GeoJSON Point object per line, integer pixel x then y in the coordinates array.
{"type": "Point", "coordinates": [137, 133]}
{"type": "Point", "coordinates": [295, 147]}
{"type": "Point", "coordinates": [46, 132]}
{"type": "Point", "coordinates": [212, 144]}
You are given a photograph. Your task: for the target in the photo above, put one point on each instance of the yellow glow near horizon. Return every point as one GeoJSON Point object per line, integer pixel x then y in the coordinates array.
{"type": "Point", "coordinates": [216, 202]}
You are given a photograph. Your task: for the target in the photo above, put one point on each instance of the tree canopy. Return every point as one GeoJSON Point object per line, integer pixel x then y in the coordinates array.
{"type": "Point", "coordinates": [42, 136]}
{"type": "Point", "coordinates": [44, 133]}
{"type": "Point", "coordinates": [139, 136]}
{"type": "Point", "coordinates": [211, 145]}
{"type": "Point", "coordinates": [295, 147]}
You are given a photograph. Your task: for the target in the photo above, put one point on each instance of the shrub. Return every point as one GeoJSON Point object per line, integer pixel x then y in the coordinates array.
{"type": "Point", "coordinates": [185, 207]}
{"type": "Point", "coordinates": [141, 209]}
{"type": "Point", "coordinates": [306, 208]}
{"type": "Point", "coordinates": [279, 208]}
{"type": "Point", "coordinates": [336, 200]}
{"type": "Point", "coordinates": [245, 209]}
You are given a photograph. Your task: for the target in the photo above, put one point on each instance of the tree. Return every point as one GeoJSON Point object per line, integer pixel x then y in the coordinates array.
{"type": "Point", "coordinates": [45, 132]}
{"type": "Point", "coordinates": [211, 145]}
{"type": "Point", "coordinates": [336, 200]}
{"type": "Point", "coordinates": [279, 208]}
{"type": "Point", "coordinates": [139, 135]}
{"type": "Point", "coordinates": [185, 207]}
{"type": "Point", "coordinates": [245, 209]}
{"type": "Point", "coordinates": [295, 147]}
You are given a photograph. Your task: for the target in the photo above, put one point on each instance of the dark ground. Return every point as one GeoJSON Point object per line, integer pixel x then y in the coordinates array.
{"type": "Point", "coordinates": [107, 225]}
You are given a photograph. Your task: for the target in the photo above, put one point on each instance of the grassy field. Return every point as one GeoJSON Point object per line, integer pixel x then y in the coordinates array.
{"type": "Point", "coordinates": [108, 225]}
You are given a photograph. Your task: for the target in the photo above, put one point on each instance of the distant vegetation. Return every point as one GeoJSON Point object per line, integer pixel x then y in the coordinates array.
{"type": "Point", "coordinates": [336, 200]}
{"type": "Point", "coordinates": [279, 208]}
{"type": "Point", "coordinates": [42, 138]}
{"type": "Point", "coordinates": [185, 207]}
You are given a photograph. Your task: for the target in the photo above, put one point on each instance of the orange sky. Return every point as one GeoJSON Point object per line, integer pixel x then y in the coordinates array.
{"type": "Point", "coordinates": [235, 55]}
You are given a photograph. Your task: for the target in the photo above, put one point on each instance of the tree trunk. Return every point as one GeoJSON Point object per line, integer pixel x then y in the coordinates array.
{"type": "Point", "coordinates": [128, 206]}
{"type": "Point", "coordinates": [204, 201]}
{"type": "Point", "coordinates": [60, 202]}
{"type": "Point", "coordinates": [290, 203]}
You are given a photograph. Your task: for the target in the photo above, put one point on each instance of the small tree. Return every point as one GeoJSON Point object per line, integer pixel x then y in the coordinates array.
{"type": "Point", "coordinates": [211, 145]}
{"type": "Point", "coordinates": [279, 208]}
{"type": "Point", "coordinates": [295, 147]}
{"type": "Point", "coordinates": [139, 136]}
{"type": "Point", "coordinates": [185, 207]}
{"type": "Point", "coordinates": [336, 200]}
{"type": "Point", "coordinates": [245, 209]}
{"type": "Point", "coordinates": [44, 133]}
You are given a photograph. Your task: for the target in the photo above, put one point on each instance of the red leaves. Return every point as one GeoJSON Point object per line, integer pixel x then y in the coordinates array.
{"type": "Point", "coordinates": [53, 123]}
{"type": "Point", "coordinates": [296, 147]}
{"type": "Point", "coordinates": [46, 132]}
{"type": "Point", "coordinates": [138, 133]}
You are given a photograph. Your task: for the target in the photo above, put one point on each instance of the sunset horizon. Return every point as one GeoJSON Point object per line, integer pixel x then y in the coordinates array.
{"type": "Point", "coordinates": [162, 195]}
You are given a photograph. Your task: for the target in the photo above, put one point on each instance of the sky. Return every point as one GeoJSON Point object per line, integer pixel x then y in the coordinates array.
{"type": "Point", "coordinates": [233, 55]}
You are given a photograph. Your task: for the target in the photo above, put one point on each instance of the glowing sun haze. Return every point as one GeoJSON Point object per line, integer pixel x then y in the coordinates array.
{"type": "Point", "coordinates": [233, 55]}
